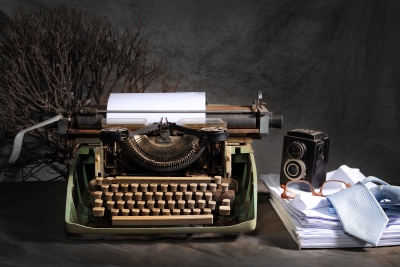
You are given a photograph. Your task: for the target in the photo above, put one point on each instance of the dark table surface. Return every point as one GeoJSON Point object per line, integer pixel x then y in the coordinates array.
{"type": "Point", "coordinates": [32, 233]}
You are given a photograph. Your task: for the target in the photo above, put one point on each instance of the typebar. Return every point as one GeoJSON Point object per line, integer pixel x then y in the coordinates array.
{"type": "Point", "coordinates": [162, 220]}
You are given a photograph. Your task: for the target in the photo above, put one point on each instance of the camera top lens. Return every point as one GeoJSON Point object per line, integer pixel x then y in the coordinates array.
{"type": "Point", "coordinates": [296, 150]}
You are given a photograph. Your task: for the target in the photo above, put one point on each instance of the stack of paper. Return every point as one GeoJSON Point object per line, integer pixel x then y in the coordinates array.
{"type": "Point", "coordinates": [311, 225]}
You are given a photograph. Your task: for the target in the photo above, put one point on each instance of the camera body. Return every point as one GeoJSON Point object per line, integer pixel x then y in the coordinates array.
{"type": "Point", "coordinates": [305, 156]}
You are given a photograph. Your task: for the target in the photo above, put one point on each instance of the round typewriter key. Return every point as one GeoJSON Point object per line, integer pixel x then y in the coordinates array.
{"type": "Point", "coordinates": [226, 202]}
{"type": "Point", "coordinates": [98, 211]}
{"type": "Point", "coordinates": [173, 187]}
{"type": "Point", "coordinates": [196, 211]}
{"type": "Point", "coordinates": [124, 188]}
{"type": "Point", "coordinates": [138, 196]}
{"type": "Point", "coordinates": [130, 204]}
{"type": "Point", "coordinates": [176, 211]}
{"type": "Point", "coordinates": [190, 204]}
{"type": "Point", "coordinates": [104, 188]}
{"type": "Point", "coordinates": [178, 196]}
{"type": "Point", "coordinates": [193, 187]}
{"type": "Point", "coordinates": [171, 204]}
{"type": "Point", "coordinates": [155, 211]}
{"type": "Point", "coordinates": [128, 196]}
{"type": "Point", "coordinates": [199, 195]}
{"type": "Point", "coordinates": [125, 212]}
{"type": "Point", "coordinates": [140, 204]}
{"type": "Point", "coordinates": [201, 203]}
{"type": "Point", "coordinates": [134, 187]}
{"type": "Point", "coordinates": [120, 204]}
{"type": "Point", "coordinates": [207, 211]}
{"type": "Point", "coordinates": [135, 212]}
{"type": "Point", "coordinates": [98, 202]}
{"type": "Point", "coordinates": [164, 187]}
{"type": "Point", "coordinates": [224, 187]}
{"type": "Point", "coordinates": [188, 195]}
{"type": "Point", "coordinates": [145, 212]}
{"type": "Point", "coordinates": [159, 195]}
{"type": "Point", "coordinates": [153, 187]}
{"type": "Point", "coordinates": [149, 196]}
{"type": "Point", "coordinates": [213, 187]}
{"type": "Point", "coordinates": [143, 187]}
{"type": "Point", "coordinates": [118, 196]}
{"type": "Point", "coordinates": [211, 205]}
{"type": "Point", "coordinates": [168, 196]}
{"type": "Point", "coordinates": [166, 212]}
{"type": "Point", "coordinates": [181, 204]}
{"type": "Point", "coordinates": [109, 180]}
{"type": "Point", "coordinates": [183, 187]}
{"type": "Point", "coordinates": [224, 210]}
{"type": "Point", "coordinates": [187, 211]}
{"type": "Point", "coordinates": [208, 196]}
{"type": "Point", "coordinates": [218, 179]}
{"type": "Point", "coordinates": [114, 188]}
{"type": "Point", "coordinates": [150, 204]}
{"type": "Point", "coordinates": [109, 196]}
{"type": "Point", "coordinates": [99, 181]}
{"type": "Point", "coordinates": [114, 212]}
{"type": "Point", "coordinates": [161, 204]}
{"type": "Point", "coordinates": [97, 194]}
{"type": "Point", "coordinates": [110, 205]}
{"type": "Point", "coordinates": [203, 187]}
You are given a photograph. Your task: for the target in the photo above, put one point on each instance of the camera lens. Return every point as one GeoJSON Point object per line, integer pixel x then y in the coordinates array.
{"type": "Point", "coordinates": [296, 150]}
{"type": "Point", "coordinates": [295, 169]}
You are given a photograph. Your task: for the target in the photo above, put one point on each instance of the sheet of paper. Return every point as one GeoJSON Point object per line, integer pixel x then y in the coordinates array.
{"type": "Point", "coordinates": [193, 101]}
{"type": "Point", "coordinates": [316, 228]}
{"type": "Point", "coordinates": [348, 175]}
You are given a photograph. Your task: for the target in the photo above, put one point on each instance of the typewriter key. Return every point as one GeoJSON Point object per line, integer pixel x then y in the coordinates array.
{"type": "Point", "coordinates": [173, 187]}
{"type": "Point", "coordinates": [98, 211]}
{"type": "Point", "coordinates": [145, 212]}
{"type": "Point", "coordinates": [150, 204]}
{"type": "Point", "coordinates": [183, 187]}
{"type": "Point", "coordinates": [130, 204]}
{"type": "Point", "coordinates": [178, 196]}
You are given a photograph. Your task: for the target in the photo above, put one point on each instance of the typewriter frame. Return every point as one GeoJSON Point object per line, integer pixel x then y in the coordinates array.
{"type": "Point", "coordinates": [89, 160]}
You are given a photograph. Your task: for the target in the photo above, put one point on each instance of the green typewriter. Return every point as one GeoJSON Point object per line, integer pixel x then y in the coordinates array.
{"type": "Point", "coordinates": [145, 164]}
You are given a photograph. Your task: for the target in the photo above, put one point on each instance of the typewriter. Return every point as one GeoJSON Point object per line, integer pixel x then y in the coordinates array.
{"type": "Point", "coordinates": [195, 173]}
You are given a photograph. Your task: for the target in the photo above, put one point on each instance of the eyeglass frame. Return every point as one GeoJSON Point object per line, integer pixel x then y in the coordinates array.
{"type": "Point", "coordinates": [318, 194]}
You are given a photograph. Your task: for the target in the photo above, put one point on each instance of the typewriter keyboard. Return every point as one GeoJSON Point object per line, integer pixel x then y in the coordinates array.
{"type": "Point", "coordinates": [146, 201]}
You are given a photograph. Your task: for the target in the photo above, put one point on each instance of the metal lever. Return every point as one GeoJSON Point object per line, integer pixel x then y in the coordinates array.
{"type": "Point", "coordinates": [19, 138]}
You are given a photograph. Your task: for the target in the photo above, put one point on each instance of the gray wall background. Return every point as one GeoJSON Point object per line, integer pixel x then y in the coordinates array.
{"type": "Point", "coordinates": [331, 66]}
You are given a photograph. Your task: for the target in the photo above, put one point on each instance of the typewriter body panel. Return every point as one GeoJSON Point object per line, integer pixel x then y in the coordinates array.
{"type": "Point", "coordinates": [88, 160]}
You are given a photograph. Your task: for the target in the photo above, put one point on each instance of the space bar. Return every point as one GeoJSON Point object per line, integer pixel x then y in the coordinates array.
{"type": "Point", "coordinates": [162, 220]}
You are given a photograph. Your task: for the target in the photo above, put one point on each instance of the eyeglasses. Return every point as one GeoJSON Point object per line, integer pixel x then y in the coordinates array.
{"type": "Point", "coordinates": [327, 188]}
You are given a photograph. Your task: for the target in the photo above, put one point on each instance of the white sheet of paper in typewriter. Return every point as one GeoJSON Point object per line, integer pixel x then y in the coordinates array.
{"type": "Point", "coordinates": [186, 101]}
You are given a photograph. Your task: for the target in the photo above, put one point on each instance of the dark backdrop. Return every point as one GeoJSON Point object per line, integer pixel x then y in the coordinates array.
{"type": "Point", "coordinates": [331, 66]}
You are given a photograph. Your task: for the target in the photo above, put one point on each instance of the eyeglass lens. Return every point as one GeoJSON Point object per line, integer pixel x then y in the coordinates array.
{"type": "Point", "coordinates": [332, 187]}
{"type": "Point", "coordinates": [328, 188]}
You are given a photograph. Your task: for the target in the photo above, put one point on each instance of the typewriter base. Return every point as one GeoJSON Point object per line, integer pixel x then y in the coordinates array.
{"type": "Point", "coordinates": [86, 164]}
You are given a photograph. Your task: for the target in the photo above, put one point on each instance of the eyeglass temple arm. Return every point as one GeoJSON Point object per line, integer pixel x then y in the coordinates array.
{"type": "Point", "coordinates": [284, 195]}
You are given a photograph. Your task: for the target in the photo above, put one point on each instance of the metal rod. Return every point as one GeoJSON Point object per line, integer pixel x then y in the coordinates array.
{"type": "Point", "coordinates": [178, 111]}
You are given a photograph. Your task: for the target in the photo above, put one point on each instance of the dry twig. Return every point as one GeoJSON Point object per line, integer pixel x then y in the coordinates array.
{"type": "Point", "coordinates": [44, 56]}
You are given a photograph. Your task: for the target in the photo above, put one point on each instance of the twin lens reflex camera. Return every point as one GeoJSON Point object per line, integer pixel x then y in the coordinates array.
{"type": "Point", "coordinates": [305, 156]}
